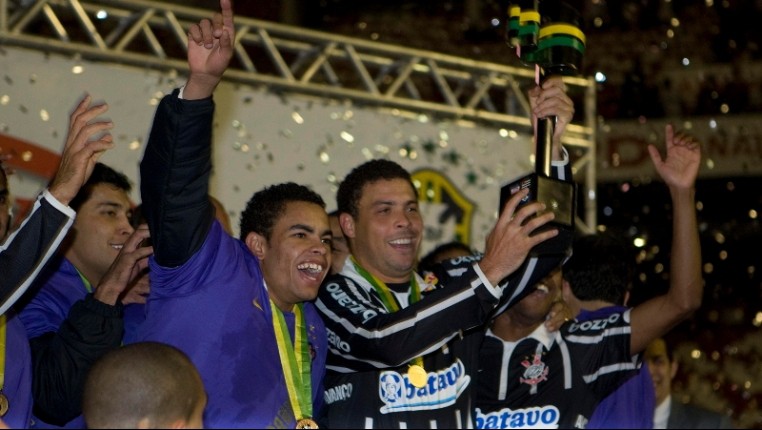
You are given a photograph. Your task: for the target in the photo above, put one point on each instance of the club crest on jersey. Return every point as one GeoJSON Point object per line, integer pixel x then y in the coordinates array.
{"type": "Point", "coordinates": [442, 389]}
{"type": "Point", "coordinates": [535, 372]}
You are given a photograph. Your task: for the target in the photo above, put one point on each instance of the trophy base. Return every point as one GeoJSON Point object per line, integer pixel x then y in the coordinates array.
{"type": "Point", "coordinates": [559, 197]}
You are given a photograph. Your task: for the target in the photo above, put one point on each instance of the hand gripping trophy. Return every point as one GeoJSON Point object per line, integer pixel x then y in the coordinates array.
{"type": "Point", "coordinates": [547, 36]}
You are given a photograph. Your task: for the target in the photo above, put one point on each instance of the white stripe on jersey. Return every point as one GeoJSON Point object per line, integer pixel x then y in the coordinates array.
{"type": "Point", "coordinates": [379, 364]}
{"type": "Point", "coordinates": [400, 326]}
{"type": "Point", "coordinates": [566, 359]}
{"type": "Point", "coordinates": [522, 285]}
{"type": "Point", "coordinates": [616, 331]}
{"type": "Point", "coordinates": [611, 368]}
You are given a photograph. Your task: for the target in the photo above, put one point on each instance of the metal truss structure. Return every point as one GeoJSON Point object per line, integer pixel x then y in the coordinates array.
{"type": "Point", "coordinates": [152, 34]}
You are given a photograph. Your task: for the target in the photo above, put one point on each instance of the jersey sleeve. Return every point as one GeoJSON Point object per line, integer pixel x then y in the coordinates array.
{"type": "Point", "coordinates": [364, 335]}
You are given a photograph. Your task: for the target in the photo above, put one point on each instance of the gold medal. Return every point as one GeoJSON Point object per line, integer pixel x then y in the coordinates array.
{"type": "Point", "coordinates": [417, 376]}
{"type": "Point", "coordinates": [4, 406]}
{"type": "Point", "coordinates": [306, 423]}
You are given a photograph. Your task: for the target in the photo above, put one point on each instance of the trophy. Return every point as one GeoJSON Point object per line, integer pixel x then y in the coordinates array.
{"type": "Point", "coordinates": [548, 37]}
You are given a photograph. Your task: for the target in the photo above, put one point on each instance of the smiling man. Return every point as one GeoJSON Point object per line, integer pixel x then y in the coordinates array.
{"type": "Point", "coordinates": [239, 308]}
{"type": "Point", "coordinates": [96, 238]}
{"type": "Point", "coordinates": [398, 355]}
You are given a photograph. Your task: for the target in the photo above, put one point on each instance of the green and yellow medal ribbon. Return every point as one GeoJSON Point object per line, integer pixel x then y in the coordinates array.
{"type": "Point", "coordinates": [416, 373]}
{"type": "Point", "coordinates": [295, 360]}
{"type": "Point", "coordinates": [86, 283]}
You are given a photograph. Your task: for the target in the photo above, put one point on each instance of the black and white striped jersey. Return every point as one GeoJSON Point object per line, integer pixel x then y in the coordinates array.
{"type": "Point", "coordinates": [553, 380]}
{"type": "Point", "coordinates": [370, 348]}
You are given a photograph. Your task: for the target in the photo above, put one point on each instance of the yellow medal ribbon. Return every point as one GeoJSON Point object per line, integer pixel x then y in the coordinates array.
{"type": "Point", "coordinates": [296, 361]}
{"type": "Point", "coordinates": [416, 373]}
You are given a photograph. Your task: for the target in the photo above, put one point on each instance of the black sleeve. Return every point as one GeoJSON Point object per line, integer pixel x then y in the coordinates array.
{"type": "Point", "coordinates": [60, 361]}
{"type": "Point", "coordinates": [174, 176]}
{"type": "Point", "coordinates": [363, 335]}
{"type": "Point", "coordinates": [27, 250]}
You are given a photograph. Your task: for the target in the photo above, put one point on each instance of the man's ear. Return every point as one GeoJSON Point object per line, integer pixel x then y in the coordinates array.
{"type": "Point", "coordinates": [347, 223]}
{"type": "Point", "coordinates": [257, 244]}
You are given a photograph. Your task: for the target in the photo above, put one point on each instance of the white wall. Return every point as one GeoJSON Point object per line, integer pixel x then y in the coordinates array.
{"type": "Point", "coordinates": [261, 138]}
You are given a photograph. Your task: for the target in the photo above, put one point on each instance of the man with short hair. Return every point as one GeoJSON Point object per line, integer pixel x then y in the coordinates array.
{"type": "Point", "coordinates": [601, 295]}
{"type": "Point", "coordinates": [530, 377]}
{"type": "Point", "coordinates": [145, 385]}
{"type": "Point", "coordinates": [399, 357]}
{"type": "Point", "coordinates": [72, 317]}
{"type": "Point", "coordinates": [28, 249]}
{"type": "Point", "coordinates": [670, 413]}
{"type": "Point", "coordinates": [239, 308]}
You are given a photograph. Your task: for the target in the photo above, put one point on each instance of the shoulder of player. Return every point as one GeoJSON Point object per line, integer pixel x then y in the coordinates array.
{"type": "Point", "coordinates": [598, 326]}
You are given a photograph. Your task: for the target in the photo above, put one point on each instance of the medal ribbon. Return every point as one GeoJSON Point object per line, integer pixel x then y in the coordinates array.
{"type": "Point", "coordinates": [390, 302]}
{"type": "Point", "coordinates": [295, 359]}
{"type": "Point", "coordinates": [88, 287]}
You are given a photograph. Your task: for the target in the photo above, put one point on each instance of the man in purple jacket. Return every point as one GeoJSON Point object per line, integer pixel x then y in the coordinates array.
{"type": "Point", "coordinates": [240, 309]}
{"type": "Point", "coordinates": [27, 250]}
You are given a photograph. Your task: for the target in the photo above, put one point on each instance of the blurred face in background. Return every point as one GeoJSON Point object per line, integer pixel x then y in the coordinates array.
{"type": "Point", "coordinates": [662, 368]}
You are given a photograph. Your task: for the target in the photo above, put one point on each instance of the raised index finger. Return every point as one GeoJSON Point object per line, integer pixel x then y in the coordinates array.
{"type": "Point", "coordinates": [226, 7]}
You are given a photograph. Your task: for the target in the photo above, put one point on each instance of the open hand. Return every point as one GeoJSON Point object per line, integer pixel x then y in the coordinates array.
{"type": "Point", "coordinates": [510, 241]}
{"type": "Point", "coordinates": [82, 149]}
{"type": "Point", "coordinates": [680, 167]}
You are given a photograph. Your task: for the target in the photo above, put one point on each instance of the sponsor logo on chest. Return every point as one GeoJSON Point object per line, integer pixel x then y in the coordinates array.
{"type": "Point", "coordinates": [442, 389]}
{"type": "Point", "coordinates": [545, 417]}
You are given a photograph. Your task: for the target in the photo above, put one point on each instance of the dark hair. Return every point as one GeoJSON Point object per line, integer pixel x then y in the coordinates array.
{"type": "Point", "coordinates": [434, 256]}
{"type": "Point", "coordinates": [265, 206]}
{"type": "Point", "coordinates": [600, 268]}
{"type": "Point", "coordinates": [350, 190]}
{"type": "Point", "coordinates": [102, 174]}
{"type": "Point", "coordinates": [141, 380]}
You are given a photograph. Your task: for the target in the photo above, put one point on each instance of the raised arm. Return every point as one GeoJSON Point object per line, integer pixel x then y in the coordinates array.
{"type": "Point", "coordinates": [176, 167]}
{"type": "Point", "coordinates": [27, 250]}
{"type": "Point", "coordinates": [511, 233]}
{"type": "Point", "coordinates": [678, 170]}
